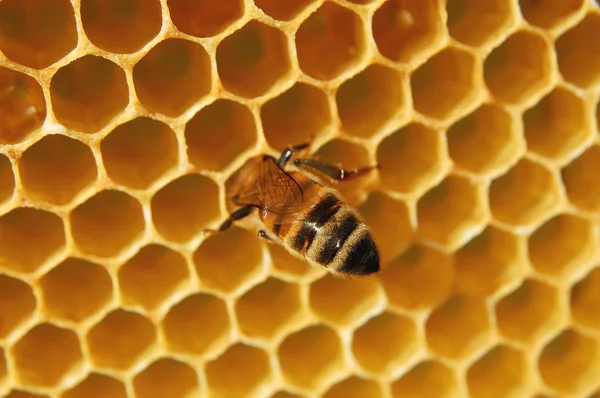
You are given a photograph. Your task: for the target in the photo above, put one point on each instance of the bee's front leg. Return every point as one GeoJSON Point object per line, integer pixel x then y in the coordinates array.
{"type": "Point", "coordinates": [287, 153]}
{"type": "Point", "coordinates": [334, 172]}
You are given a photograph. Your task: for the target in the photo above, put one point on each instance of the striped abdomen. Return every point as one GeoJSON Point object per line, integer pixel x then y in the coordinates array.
{"type": "Point", "coordinates": [330, 234]}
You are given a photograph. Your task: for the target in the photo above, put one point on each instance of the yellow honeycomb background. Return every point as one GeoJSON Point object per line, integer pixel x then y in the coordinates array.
{"type": "Point", "coordinates": [121, 121]}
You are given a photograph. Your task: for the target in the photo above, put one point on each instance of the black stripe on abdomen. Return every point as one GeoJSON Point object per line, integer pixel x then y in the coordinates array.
{"type": "Point", "coordinates": [361, 258]}
{"type": "Point", "coordinates": [313, 221]}
{"type": "Point", "coordinates": [338, 235]}
{"type": "Point", "coordinates": [277, 229]}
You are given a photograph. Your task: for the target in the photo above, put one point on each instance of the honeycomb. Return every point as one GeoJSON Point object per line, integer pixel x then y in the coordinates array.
{"type": "Point", "coordinates": [122, 120]}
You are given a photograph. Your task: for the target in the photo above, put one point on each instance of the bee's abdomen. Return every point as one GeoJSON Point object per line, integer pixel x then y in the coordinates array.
{"type": "Point", "coordinates": [304, 231]}
{"type": "Point", "coordinates": [359, 255]}
{"type": "Point", "coordinates": [331, 235]}
{"type": "Point", "coordinates": [334, 235]}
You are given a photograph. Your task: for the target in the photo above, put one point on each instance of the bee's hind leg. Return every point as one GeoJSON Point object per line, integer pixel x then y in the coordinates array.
{"type": "Point", "coordinates": [264, 235]}
{"type": "Point", "coordinates": [334, 172]}
{"type": "Point", "coordinates": [236, 215]}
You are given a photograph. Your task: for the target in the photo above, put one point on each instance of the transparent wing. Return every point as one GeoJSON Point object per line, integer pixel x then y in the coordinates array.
{"type": "Point", "coordinates": [278, 191]}
{"type": "Point", "coordinates": [243, 187]}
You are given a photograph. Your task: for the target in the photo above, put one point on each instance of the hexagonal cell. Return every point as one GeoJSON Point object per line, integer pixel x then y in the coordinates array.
{"type": "Point", "coordinates": [501, 372]}
{"type": "Point", "coordinates": [120, 339]}
{"type": "Point", "coordinates": [427, 379]}
{"type": "Point", "coordinates": [328, 298]}
{"type": "Point", "coordinates": [241, 371]}
{"type": "Point", "coordinates": [520, 68]}
{"type": "Point", "coordinates": [75, 290]}
{"type": "Point", "coordinates": [524, 195]}
{"type": "Point", "coordinates": [452, 212]}
{"type": "Point", "coordinates": [88, 93]}
{"type": "Point", "coordinates": [139, 152]}
{"type": "Point", "coordinates": [371, 99]}
{"type": "Point", "coordinates": [37, 34]}
{"type": "Point", "coordinates": [56, 168]}
{"type": "Point", "coordinates": [355, 387]}
{"type": "Point", "coordinates": [570, 363]}
{"type": "Point", "coordinates": [204, 18]}
{"type": "Point", "coordinates": [480, 22]}
{"type": "Point", "coordinates": [253, 59]}
{"type": "Point", "coordinates": [389, 221]}
{"type": "Point", "coordinates": [385, 343]}
{"type": "Point", "coordinates": [563, 246]}
{"type": "Point", "coordinates": [166, 377]}
{"type": "Point", "coordinates": [333, 30]}
{"type": "Point", "coordinates": [196, 325]}
{"type": "Point", "coordinates": [578, 60]}
{"type": "Point", "coordinates": [282, 10]}
{"type": "Point", "coordinates": [486, 141]}
{"type": "Point", "coordinates": [446, 85]}
{"type": "Point", "coordinates": [419, 266]}
{"type": "Point", "coordinates": [205, 131]}
{"type": "Point", "coordinates": [529, 312]}
{"type": "Point", "coordinates": [296, 115]}
{"type": "Point", "coordinates": [228, 260]}
{"type": "Point", "coordinates": [7, 179]}
{"type": "Point", "coordinates": [349, 156]}
{"type": "Point", "coordinates": [17, 304]}
{"type": "Point", "coordinates": [22, 104]}
{"type": "Point", "coordinates": [416, 150]}
{"type": "Point", "coordinates": [184, 206]}
{"type": "Point", "coordinates": [580, 180]}
{"type": "Point", "coordinates": [405, 30]}
{"type": "Point", "coordinates": [154, 274]}
{"type": "Point", "coordinates": [291, 267]}
{"type": "Point", "coordinates": [311, 357]}
{"type": "Point", "coordinates": [24, 228]}
{"type": "Point", "coordinates": [121, 26]}
{"type": "Point", "coordinates": [252, 318]}
{"type": "Point", "coordinates": [172, 76]}
{"type": "Point", "coordinates": [557, 125]}
{"type": "Point", "coordinates": [491, 261]}
{"type": "Point", "coordinates": [551, 14]}
{"type": "Point", "coordinates": [459, 327]}
{"type": "Point", "coordinates": [45, 355]}
{"type": "Point", "coordinates": [107, 223]}
{"type": "Point", "coordinates": [97, 386]}
{"type": "Point", "coordinates": [585, 300]}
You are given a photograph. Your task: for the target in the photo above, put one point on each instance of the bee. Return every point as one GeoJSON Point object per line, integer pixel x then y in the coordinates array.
{"type": "Point", "coordinates": [308, 218]}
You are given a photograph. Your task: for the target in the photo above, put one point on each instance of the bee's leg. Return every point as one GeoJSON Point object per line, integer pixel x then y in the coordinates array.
{"type": "Point", "coordinates": [236, 215]}
{"type": "Point", "coordinates": [289, 151]}
{"type": "Point", "coordinates": [264, 235]}
{"type": "Point", "coordinates": [334, 172]}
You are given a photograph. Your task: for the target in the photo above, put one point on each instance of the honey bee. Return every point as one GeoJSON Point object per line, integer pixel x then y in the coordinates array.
{"type": "Point", "coordinates": [308, 218]}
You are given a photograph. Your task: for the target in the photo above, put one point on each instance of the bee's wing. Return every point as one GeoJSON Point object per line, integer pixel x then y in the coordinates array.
{"type": "Point", "coordinates": [251, 197]}
{"type": "Point", "coordinates": [279, 192]}
{"type": "Point", "coordinates": [244, 187]}
{"type": "Point", "coordinates": [263, 184]}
